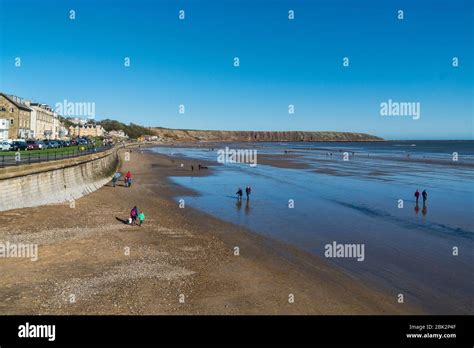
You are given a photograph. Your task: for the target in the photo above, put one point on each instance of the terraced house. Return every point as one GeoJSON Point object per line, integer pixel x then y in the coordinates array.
{"type": "Point", "coordinates": [86, 130]}
{"type": "Point", "coordinates": [16, 111]}
{"type": "Point", "coordinates": [45, 121]}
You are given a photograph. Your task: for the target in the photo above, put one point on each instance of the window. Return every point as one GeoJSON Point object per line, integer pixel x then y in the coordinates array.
{"type": "Point", "coordinates": [11, 121]}
{"type": "Point", "coordinates": [2, 109]}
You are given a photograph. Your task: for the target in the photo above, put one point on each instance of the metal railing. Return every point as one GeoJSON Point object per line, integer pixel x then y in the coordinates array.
{"type": "Point", "coordinates": [26, 157]}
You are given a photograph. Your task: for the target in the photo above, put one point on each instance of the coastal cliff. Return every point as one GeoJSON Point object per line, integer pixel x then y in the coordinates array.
{"type": "Point", "coordinates": [213, 135]}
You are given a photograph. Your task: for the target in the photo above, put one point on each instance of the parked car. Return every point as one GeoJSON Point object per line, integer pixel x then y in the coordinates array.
{"type": "Point", "coordinates": [51, 144]}
{"type": "Point", "coordinates": [33, 145]}
{"type": "Point", "coordinates": [18, 145]}
{"type": "Point", "coordinates": [5, 146]}
{"type": "Point", "coordinates": [45, 144]}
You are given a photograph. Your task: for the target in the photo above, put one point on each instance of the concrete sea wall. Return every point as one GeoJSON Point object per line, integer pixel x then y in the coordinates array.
{"type": "Point", "coordinates": [56, 181]}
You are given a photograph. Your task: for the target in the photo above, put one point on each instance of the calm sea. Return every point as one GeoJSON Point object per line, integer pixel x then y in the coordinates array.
{"type": "Point", "coordinates": [408, 249]}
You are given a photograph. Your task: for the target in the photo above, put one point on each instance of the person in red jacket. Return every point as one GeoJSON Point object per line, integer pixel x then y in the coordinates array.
{"type": "Point", "coordinates": [128, 176]}
{"type": "Point", "coordinates": [417, 196]}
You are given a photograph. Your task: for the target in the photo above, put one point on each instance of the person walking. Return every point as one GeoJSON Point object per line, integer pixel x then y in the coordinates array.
{"type": "Point", "coordinates": [114, 180]}
{"type": "Point", "coordinates": [425, 196]}
{"type": "Point", "coordinates": [141, 218]}
{"type": "Point", "coordinates": [133, 215]}
{"type": "Point", "coordinates": [417, 195]}
{"type": "Point", "coordinates": [248, 190]}
{"type": "Point", "coordinates": [128, 177]}
{"type": "Point", "coordinates": [239, 194]}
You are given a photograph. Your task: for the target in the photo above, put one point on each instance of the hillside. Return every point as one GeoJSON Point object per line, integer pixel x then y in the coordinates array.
{"type": "Point", "coordinates": [134, 131]}
{"type": "Point", "coordinates": [208, 135]}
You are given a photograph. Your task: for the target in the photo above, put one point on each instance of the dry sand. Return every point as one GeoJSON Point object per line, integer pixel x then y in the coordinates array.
{"type": "Point", "coordinates": [179, 254]}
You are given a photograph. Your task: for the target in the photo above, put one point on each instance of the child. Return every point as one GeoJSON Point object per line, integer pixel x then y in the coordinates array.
{"type": "Point", "coordinates": [141, 218]}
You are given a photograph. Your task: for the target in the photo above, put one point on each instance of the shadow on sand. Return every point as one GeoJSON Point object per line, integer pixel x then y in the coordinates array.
{"type": "Point", "coordinates": [124, 221]}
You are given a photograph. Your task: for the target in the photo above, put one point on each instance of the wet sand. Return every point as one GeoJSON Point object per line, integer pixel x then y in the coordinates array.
{"type": "Point", "coordinates": [180, 262]}
{"type": "Point", "coordinates": [411, 159]}
{"type": "Point", "coordinates": [282, 161]}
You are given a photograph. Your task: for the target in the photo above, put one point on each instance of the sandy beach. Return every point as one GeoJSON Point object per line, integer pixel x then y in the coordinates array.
{"type": "Point", "coordinates": [181, 261]}
{"type": "Point", "coordinates": [410, 247]}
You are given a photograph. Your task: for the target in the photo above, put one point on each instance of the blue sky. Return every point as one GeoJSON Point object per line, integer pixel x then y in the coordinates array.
{"type": "Point", "coordinates": [282, 62]}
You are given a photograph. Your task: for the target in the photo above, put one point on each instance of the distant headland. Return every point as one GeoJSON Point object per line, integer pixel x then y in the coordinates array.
{"type": "Point", "coordinates": [257, 136]}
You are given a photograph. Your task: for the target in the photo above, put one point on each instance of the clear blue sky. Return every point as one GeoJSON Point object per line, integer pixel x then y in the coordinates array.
{"type": "Point", "coordinates": [283, 62]}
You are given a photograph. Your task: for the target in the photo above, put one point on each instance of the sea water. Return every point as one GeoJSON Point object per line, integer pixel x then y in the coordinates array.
{"type": "Point", "coordinates": [425, 253]}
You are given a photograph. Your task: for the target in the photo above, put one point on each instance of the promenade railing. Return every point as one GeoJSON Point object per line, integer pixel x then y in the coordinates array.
{"type": "Point", "coordinates": [39, 156]}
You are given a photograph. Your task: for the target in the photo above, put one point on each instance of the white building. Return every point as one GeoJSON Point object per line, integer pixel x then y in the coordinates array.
{"type": "Point", "coordinates": [4, 127]}
{"type": "Point", "coordinates": [117, 134]}
{"type": "Point", "coordinates": [56, 125]}
{"type": "Point", "coordinates": [42, 122]}
{"type": "Point", "coordinates": [33, 121]}
{"type": "Point", "coordinates": [77, 121]}
{"type": "Point", "coordinates": [63, 132]}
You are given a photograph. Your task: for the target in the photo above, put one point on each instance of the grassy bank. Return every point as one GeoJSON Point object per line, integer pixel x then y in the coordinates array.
{"type": "Point", "coordinates": [46, 152]}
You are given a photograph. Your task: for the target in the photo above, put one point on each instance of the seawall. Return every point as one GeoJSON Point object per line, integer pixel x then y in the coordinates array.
{"type": "Point", "coordinates": [55, 181]}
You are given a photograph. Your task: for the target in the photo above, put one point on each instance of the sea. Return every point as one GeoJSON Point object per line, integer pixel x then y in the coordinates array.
{"type": "Point", "coordinates": [357, 194]}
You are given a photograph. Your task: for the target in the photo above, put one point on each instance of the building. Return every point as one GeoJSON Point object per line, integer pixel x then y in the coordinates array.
{"type": "Point", "coordinates": [18, 113]}
{"type": "Point", "coordinates": [151, 138]}
{"type": "Point", "coordinates": [120, 134]}
{"type": "Point", "coordinates": [4, 126]}
{"type": "Point", "coordinates": [42, 121]}
{"type": "Point", "coordinates": [63, 132]}
{"type": "Point", "coordinates": [86, 130]}
{"type": "Point", "coordinates": [56, 126]}
{"type": "Point", "coordinates": [77, 121]}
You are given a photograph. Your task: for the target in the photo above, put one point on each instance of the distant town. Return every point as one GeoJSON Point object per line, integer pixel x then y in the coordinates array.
{"type": "Point", "coordinates": [21, 119]}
